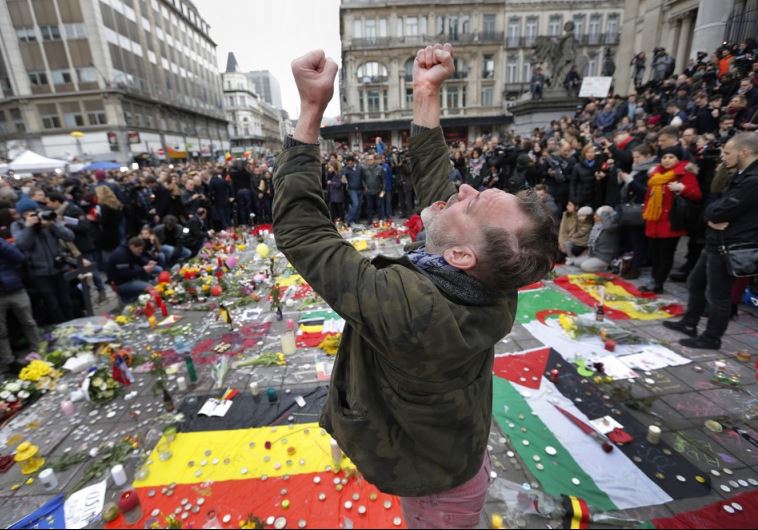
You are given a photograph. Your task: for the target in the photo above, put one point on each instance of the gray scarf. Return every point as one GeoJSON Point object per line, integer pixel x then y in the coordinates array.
{"type": "Point", "coordinates": [454, 283]}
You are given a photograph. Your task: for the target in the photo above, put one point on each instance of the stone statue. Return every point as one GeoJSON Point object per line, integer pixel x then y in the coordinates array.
{"type": "Point", "coordinates": [560, 55]}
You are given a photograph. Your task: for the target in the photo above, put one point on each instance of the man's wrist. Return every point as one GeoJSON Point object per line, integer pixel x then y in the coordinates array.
{"type": "Point", "coordinates": [308, 126]}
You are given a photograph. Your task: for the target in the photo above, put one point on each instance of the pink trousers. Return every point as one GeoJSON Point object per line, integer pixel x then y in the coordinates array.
{"type": "Point", "coordinates": [460, 507]}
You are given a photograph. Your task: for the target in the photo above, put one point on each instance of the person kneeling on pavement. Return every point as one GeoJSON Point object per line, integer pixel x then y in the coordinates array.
{"type": "Point", "coordinates": [171, 235]}
{"type": "Point", "coordinates": [732, 219]}
{"type": "Point", "coordinates": [603, 243]}
{"type": "Point", "coordinates": [129, 270]}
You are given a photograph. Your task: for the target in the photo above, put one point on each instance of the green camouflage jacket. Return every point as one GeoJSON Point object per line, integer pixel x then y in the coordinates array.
{"type": "Point", "coordinates": [411, 396]}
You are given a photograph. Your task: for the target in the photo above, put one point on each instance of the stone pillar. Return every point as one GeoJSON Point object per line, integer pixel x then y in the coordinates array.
{"type": "Point", "coordinates": [683, 52]}
{"type": "Point", "coordinates": [710, 25]}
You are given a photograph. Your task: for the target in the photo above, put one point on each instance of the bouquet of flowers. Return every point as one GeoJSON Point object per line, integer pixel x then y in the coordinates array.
{"type": "Point", "coordinates": [13, 395]}
{"type": "Point", "coordinates": [100, 385]}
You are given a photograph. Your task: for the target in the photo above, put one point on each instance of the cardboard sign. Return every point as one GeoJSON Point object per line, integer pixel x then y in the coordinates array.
{"type": "Point", "coordinates": [597, 87]}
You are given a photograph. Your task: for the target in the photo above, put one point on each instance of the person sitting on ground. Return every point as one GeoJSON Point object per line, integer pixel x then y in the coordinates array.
{"type": "Point", "coordinates": [423, 324]}
{"type": "Point", "coordinates": [171, 234]}
{"type": "Point", "coordinates": [574, 231]}
{"type": "Point", "coordinates": [603, 242]}
{"type": "Point", "coordinates": [129, 271]}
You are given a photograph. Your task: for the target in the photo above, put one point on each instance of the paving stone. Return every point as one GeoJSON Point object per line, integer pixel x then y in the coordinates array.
{"type": "Point", "coordinates": [14, 509]}
{"type": "Point", "coordinates": [737, 445]}
{"type": "Point", "coordinates": [661, 382]}
{"type": "Point", "coordinates": [662, 415]}
{"type": "Point", "coordinates": [700, 450]}
{"type": "Point", "coordinates": [702, 380]}
{"type": "Point", "coordinates": [693, 405]}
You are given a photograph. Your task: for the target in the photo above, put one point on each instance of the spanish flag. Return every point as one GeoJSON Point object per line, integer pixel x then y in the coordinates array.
{"type": "Point", "coordinates": [225, 315]}
{"type": "Point", "coordinates": [577, 513]}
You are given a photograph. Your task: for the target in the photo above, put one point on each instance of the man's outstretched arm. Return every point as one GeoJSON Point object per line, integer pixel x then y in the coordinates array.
{"type": "Point", "coordinates": [430, 163]}
{"type": "Point", "coordinates": [347, 281]}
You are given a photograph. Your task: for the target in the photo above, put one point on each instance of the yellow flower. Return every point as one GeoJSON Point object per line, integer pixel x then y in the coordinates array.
{"type": "Point", "coordinates": [36, 370]}
{"type": "Point", "coordinates": [122, 320]}
{"type": "Point", "coordinates": [280, 359]}
{"type": "Point", "coordinates": [568, 324]}
{"type": "Point", "coordinates": [169, 292]}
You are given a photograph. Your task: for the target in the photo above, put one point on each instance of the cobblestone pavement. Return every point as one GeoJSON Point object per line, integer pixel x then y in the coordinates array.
{"type": "Point", "coordinates": [686, 399]}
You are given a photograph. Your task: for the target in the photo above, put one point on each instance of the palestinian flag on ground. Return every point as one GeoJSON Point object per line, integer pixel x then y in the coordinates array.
{"type": "Point", "coordinates": [262, 459]}
{"type": "Point", "coordinates": [565, 460]}
{"type": "Point", "coordinates": [537, 300]}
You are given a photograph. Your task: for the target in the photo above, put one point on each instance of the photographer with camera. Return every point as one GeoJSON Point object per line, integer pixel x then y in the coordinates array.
{"type": "Point", "coordinates": [38, 235]}
{"type": "Point", "coordinates": [663, 65]}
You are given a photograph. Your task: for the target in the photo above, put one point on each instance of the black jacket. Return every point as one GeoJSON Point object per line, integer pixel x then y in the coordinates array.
{"type": "Point", "coordinates": [736, 206]}
{"type": "Point", "coordinates": [220, 192]}
{"type": "Point", "coordinates": [80, 228]}
{"type": "Point", "coordinates": [123, 266]}
{"type": "Point", "coordinates": [163, 202]}
{"type": "Point", "coordinates": [582, 183]}
{"type": "Point", "coordinates": [703, 121]}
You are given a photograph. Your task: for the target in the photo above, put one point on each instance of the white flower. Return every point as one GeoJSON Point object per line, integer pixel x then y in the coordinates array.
{"type": "Point", "coordinates": [13, 386]}
{"type": "Point", "coordinates": [26, 384]}
{"type": "Point", "coordinates": [4, 395]}
{"type": "Point", "coordinates": [23, 394]}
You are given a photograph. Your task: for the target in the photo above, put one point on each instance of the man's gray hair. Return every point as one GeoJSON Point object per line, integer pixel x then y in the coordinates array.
{"type": "Point", "coordinates": [746, 140]}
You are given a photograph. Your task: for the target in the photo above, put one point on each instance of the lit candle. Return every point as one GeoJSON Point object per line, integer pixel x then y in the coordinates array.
{"type": "Point", "coordinates": [67, 407]}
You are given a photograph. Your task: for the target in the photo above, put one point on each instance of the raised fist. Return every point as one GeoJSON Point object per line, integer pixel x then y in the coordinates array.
{"type": "Point", "coordinates": [432, 66]}
{"type": "Point", "coordinates": [314, 76]}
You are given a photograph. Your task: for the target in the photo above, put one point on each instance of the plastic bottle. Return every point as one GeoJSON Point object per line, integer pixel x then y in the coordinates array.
{"type": "Point", "coordinates": [288, 339]}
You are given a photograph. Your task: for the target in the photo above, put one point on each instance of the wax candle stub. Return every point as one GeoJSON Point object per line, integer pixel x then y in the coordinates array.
{"type": "Point", "coordinates": [654, 434]}
{"type": "Point", "coordinates": [118, 474]}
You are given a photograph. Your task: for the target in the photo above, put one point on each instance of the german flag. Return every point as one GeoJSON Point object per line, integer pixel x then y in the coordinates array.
{"type": "Point", "coordinates": [577, 513]}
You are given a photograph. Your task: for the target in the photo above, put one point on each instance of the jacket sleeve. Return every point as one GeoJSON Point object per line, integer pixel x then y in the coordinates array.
{"type": "Point", "coordinates": [61, 232]}
{"type": "Point", "coordinates": [24, 237]}
{"type": "Point", "coordinates": [691, 189]}
{"type": "Point", "coordinates": [10, 253]}
{"type": "Point", "coordinates": [621, 156]}
{"type": "Point", "coordinates": [373, 301]}
{"type": "Point", "coordinates": [430, 167]}
{"type": "Point", "coordinates": [736, 201]}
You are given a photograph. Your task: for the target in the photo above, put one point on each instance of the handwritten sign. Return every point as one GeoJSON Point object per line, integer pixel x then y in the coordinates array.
{"type": "Point", "coordinates": [84, 505]}
{"type": "Point", "coordinates": [595, 87]}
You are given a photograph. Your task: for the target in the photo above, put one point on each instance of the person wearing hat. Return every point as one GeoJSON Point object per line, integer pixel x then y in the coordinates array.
{"type": "Point", "coordinates": [38, 237]}
{"type": "Point", "coordinates": [673, 176]}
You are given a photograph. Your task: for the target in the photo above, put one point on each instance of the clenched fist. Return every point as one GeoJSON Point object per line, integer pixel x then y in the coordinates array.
{"type": "Point", "coordinates": [432, 66]}
{"type": "Point", "coordinates": [314, 75]}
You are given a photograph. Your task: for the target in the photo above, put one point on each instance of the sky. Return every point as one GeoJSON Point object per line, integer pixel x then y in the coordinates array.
{"type": "Point", "coordinates": [268, 34]}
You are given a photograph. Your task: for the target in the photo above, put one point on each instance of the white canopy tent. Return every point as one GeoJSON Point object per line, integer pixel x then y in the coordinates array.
{"type": "Point", "coordinates": [31, 162]}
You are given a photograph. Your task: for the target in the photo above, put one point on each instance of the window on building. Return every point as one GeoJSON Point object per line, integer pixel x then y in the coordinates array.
{"type": "Point", "coordinates": [399, 31]}
{"type": "Point", "coordinates": [75, 31]}
{"type": "Point", "coordinates": [72, 120]}
{"type": "Point", "coordinates": [612, 28]}
{"type": "Point", "coordinates": [530, 30]}
{"type": "Point", "coordinates": [487, 93]}
{"type": "Point", "coordinates": [49, 116]}
{"type": "Point", "coordinates": [527, 71]}
{"type": "Point", "coordinates": [357, 28]}
{"type": "Point", "coordinates": [369, 27]}
{"type": "Point", "coordinates": [50, 32]}
{"type": "Point", "coordinates": [61, 77]}
{"type": "Point", "coordinates": [38, 78]}
{"type": "Point", "coordinates": [465, 24]}
{"type": "Point", "coordinates": [3, 123]}
{"type": "Point", "coordinates": [422, 25]}
{"type": "Point", "coordinates": [382, 25]}
{"type": "Point", "coordinates": [408, 98]}
{"type": "Point", "coordinates": [409, 69]}
{"type": "Point", "coordinates": [580, 22]}
{"type": "Point", "coordinates": [511, 69]}
{"type": "Point", "coordinates": [592, 65]}
{"type": "Point", "coordinates": [372, 72]}
{"type": "Point", "coordinates": [411, 26]}
{"type": "Point", "coordinates": [452, 28]}
{"type": "Point", "coordinates": [514, 31]}
{"type": "Point", "coordinates": [594, 28]}
{"type": "Point", "coordinates": [461, 68]}
{"type": "Point", "coordinates": [554, 25]}
{"type": "Point", "coordinates": [488, 67]}
{"type": "Point", "coordinates": [373, 100]}
{"type": "Point", "coordinates": [26, 35]}
{"type": "Point", "coordinates": [96, 118]}
{"type": "Point", "coordinates": [18, 121]}
{"type": "Point", "coordinates": [452, 97]}
{"type": "Point", "coordinates": [488, 25]}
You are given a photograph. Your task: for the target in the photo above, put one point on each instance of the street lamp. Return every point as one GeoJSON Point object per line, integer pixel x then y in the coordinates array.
{"type": "Point", "coordinates": [78, 135]}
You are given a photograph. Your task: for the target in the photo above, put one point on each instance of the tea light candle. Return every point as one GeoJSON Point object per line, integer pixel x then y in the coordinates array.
{"type": "Point", "coordinates": [129, 505]}
{"type": "Point", "coordinates": [254, 390]}
{"type": "Point", "coordinates": [48, 479]}
{"type": "Point", "coordinates": [181, 384]}
{"type": "Point", "coordinates": [654, 434]}
{"type": "Point", "coordinates": [67, 408]}
{"type": "Point", "coordinates": [118, 474]}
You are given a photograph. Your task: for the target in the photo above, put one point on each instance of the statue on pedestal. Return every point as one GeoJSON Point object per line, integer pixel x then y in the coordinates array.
{"type": "Point", "coordinates": [559, 55]}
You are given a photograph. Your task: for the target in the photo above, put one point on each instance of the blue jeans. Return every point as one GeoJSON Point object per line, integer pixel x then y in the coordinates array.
{"type": "Point", "coordinates": [130, 291]}
{"type": "Point", "coordinates": [172, 254]}
{"type": "Point", "coordinates": [355, 206]}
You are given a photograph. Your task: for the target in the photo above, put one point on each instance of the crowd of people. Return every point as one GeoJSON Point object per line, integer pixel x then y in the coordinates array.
{"type": "Point", "coordinates": [625, 178]}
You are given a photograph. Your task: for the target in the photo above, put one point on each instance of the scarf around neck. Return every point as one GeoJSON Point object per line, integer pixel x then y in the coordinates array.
{"type": "Point", "coordinates": [454, 283]}
{"type": "Point", "coordinates": [656, 184]}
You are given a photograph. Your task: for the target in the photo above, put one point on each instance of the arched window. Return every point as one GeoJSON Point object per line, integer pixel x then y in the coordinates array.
{"type": "Point", "coordinates": [372, 72]}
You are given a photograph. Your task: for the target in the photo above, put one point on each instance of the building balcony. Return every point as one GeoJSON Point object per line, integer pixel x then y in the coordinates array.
{"type": "Point", "coordinates": [595, 39]}
{"type": "Point", "coordinates": [405, 41]}
{"type": "Point", "coordinates": [373, 79]}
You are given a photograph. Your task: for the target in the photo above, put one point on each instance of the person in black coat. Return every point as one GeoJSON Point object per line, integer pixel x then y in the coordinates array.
{"type": "Point", "coordinates": [583, 181]}
{"type": "Point", "coordinates": [161, 200]}
{"type": "Point", "coordinates": [196, 231]}
{"type": "Point", "coordinates": [129, 271]}
{"type": "Point", "coordinates": [221, 208]}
